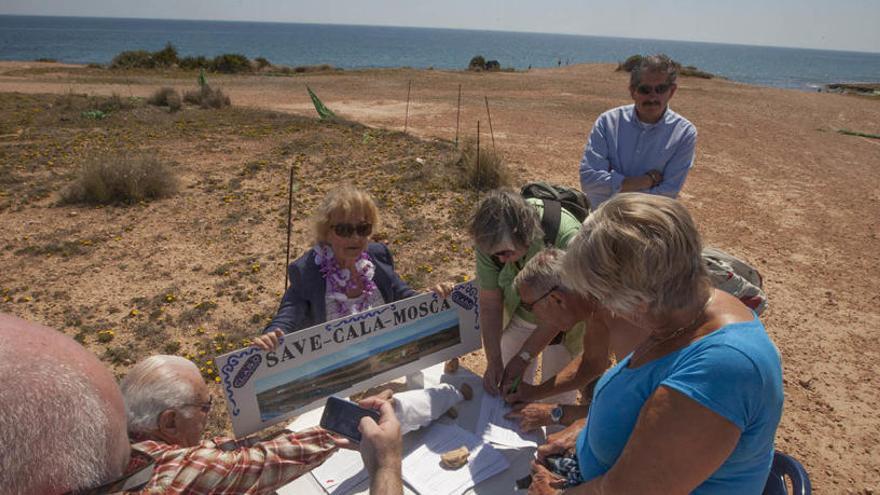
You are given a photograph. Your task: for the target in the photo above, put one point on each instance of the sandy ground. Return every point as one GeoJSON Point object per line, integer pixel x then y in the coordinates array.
{"type": "Point", "coordinates": [774, 182]}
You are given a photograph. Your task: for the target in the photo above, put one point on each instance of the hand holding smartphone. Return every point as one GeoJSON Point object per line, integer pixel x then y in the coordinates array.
{"type": "Point", "coordinates": [343, 417]}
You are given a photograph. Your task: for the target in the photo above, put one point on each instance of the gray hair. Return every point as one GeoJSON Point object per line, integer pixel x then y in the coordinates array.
{"type": "Point", "coordinates": [659, 63]}
{"type": "Point", "coordinates": [543, 272]}
{"type": "Point", "coordinates": [55, 427]}
{"type": "Point", "coordinates": [638, 249]}
{"type": "Point", "coordinates": [504, 215]}
{"type": "Point", "coordinates": [154, 385]}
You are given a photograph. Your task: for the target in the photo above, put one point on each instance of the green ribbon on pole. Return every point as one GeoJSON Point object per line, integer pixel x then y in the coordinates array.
{"type": "Point", "coordinates": [323, 111]}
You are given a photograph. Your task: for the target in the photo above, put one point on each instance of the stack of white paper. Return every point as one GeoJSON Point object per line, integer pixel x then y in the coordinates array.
{"type": "Point", "coordinates": [423, 472]}
{"type": "Point", "coordinates": [495, 428]}
{"type": "Point", "coordinates": [342, 471]}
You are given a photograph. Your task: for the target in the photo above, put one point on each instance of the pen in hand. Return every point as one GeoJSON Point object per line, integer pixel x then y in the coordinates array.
{"type": "Point", "coordinates": [514, 385]}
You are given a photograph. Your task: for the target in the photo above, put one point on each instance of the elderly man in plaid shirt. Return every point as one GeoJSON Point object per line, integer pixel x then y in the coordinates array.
{"type": "Point", "coordinates": [168, 404]}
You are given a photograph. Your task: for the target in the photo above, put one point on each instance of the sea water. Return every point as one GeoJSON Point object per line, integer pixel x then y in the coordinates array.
{"type": "Point", "coordinates": [85, 40]}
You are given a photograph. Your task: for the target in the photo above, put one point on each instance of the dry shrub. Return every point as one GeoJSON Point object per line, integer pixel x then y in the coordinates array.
{"type": "Point", "coordinates": [166, 97]}
{"type": "Point", "coordinates": [490, 173]}
{"type": "Point", "coordinates": [121, 179]}
{"type": "Point", "coordinates": [207, 97]}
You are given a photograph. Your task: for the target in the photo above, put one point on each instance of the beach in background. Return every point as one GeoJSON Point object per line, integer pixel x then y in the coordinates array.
{"type": "Point", "coordinates": [97, 40]}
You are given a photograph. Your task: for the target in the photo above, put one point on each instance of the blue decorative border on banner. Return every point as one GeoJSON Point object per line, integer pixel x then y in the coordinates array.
{"type": "Point", "coordinates": [228, 368]}
{"type": "Point", "coordinates": [468, 297]}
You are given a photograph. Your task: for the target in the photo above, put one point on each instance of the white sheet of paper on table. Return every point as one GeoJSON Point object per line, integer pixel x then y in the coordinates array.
{"type": "Point", "coordinates": [342, 471]}
{"type": "Point", "coordinates": [497, 429]}
{"type": "Point", "coordinates": [423, 472]}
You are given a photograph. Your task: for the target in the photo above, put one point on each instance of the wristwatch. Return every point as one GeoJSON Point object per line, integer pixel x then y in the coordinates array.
{"type": "Point", "coordinates": [525, 356]}
{"type": "Point", "coordinates": [556, 414]}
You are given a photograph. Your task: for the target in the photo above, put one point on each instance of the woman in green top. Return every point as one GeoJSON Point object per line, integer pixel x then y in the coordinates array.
{"type": "Point", "coordinates": [506, 231]}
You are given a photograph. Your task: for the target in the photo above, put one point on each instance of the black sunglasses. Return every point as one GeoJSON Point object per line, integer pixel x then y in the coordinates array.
{"type": "Point", "coordinates": [347, 229]}
{"type": "Point", "coordinates": [659, 89]}
{"type": "Point", "coordinates": [528, 306]}
{"type": "Point", "coordinates": [136, 476]}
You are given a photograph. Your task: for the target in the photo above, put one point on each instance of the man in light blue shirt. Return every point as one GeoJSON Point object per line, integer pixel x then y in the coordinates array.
{"type": "Point", "coordinates": [643, 147]}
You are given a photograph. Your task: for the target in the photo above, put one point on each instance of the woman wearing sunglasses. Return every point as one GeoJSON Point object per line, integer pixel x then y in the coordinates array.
{"type": "Point", "coordinates": [343, 274]}
{"type": "Point", "coordinates": [506, 230]}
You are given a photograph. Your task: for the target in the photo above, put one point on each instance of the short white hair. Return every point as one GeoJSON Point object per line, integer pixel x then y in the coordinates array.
{"type": "Point", "coordinates": [56, 429]}
{"type": "Point", "coordinates": [154, 385]}
{"type": "Point", "coordinates": [543, 272]}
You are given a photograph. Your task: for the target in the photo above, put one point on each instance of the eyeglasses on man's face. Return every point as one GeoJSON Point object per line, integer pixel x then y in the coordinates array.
{"type": "Point", "coordinates": [528, 306]}
{"type": "Point", "coordinates": [348, 229]}
{"type": "Point", "coordinates": [205, 407]}
{"type": "Point", "coordinates": [136, 476]}
{"type": "Point", "coordinates": [659, 89]}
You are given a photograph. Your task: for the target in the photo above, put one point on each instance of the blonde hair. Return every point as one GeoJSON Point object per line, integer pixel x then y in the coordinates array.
{"type": "Point", "coordinates": [343, 201]}
{"type": "Point", "coordinates": [638, 249]}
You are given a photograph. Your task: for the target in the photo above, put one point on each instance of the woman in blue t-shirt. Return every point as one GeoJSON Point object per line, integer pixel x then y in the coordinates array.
{"type": "Point", "coordinates": [694, 408]}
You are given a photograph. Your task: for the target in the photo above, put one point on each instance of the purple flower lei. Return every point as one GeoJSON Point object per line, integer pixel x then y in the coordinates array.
{"type": "Point", "coordinates": [340, 281]}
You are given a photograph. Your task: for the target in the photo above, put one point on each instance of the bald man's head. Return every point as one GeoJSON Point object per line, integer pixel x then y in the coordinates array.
{"type": "Point", "coordinates": [62, 418]}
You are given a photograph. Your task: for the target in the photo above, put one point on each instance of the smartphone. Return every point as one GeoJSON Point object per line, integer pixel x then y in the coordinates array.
{"type": "Point", "coordinates": [343, 417]}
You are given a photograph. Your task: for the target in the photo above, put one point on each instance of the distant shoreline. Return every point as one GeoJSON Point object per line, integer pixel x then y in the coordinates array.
{"type": "Point", "coordinates": [99, 40]}
{"type": "Point", "coordinates": [859, 88]}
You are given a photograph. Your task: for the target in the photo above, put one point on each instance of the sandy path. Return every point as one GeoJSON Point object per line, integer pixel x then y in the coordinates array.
{"type": "Point", "coordinates": [773, 182]}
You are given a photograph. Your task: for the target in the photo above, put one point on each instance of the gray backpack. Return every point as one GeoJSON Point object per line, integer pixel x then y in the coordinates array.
{"type": "Point", "coordinates": [736, 277]}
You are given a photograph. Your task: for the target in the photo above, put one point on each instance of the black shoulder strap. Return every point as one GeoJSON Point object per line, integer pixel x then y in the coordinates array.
{"type": "Point", "coordinates": [550, 221]}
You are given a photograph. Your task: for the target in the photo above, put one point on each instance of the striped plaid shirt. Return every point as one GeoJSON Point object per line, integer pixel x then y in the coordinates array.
{"type": "Point", "coordinates": [223, 465]}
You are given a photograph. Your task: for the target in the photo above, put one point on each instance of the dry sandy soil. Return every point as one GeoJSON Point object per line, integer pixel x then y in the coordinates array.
{"type": "Point", "coordinates": [774, 183]}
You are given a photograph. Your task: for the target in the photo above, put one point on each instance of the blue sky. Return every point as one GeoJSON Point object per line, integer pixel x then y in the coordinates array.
{"type": "Point", "coordinates": [839, 25]}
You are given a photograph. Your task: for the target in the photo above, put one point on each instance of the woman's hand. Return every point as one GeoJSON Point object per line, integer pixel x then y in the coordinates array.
{"type": "Point", "coordinates": [562, 441]}
{"type": "Point", "coordinates": [268, 341]}
{"type": "Point", "coordinates": [443, 289]}
{"type": "Point", "coordinates": [544, 482]}
{"type": "Point", "coordinates": [523, 393]}
{"type": "Point", "coordinates": [492, 377]}
{"type": "Point", "coordinates": [531, 416]}
{"type": "Point", "coordinates": [516, 368]}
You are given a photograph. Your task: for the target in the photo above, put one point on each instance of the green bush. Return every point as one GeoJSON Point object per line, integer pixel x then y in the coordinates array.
{"type": "Point", "coordinates": [692, 71]}
{"type": "Point", "coordinates": [134, 59]}
{"type": "Point", "coordinates": [231, 63]}
{"type": "Point", "coordinates": [121, 179]}
{"type": "Point", "coordinates": [207, 97]}
{"type": "Point", "coordinates": [166, 57]}
{"type": "Point", "coordinates": [477, 63]}
{"type": "Point", "coordinates": [630, 63]}
{"type": "Point", "coordinates": [190, 63]}
{"type": "Point", "coordinates": [262, 62]}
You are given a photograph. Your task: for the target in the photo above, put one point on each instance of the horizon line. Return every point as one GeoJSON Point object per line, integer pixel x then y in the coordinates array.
{"type": "Point", "coordinates": [449, 29]}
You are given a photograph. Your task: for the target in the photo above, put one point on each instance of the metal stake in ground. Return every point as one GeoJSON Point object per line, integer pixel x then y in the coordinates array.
{"type": "Point", "coordinates": [478, 182]}
{"type": "Point", "coordinates": [406, 119]}
{"type": "Point", "coordinates": [491, 132]}
{"type": "Point", "coordinates": [458, 116]}
{"type": "Point", "coordinates": [289, 221]}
